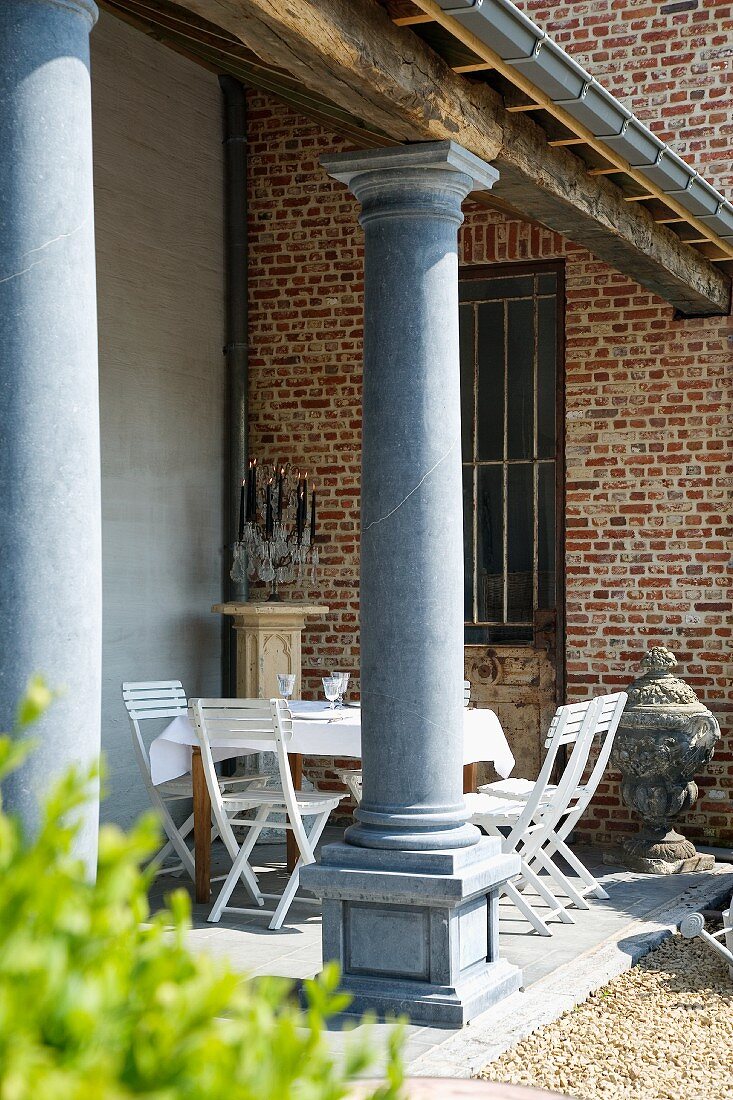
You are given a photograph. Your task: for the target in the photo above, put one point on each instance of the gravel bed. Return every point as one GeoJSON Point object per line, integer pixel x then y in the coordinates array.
{"type": "Point", "coordinates": [661, 1031]}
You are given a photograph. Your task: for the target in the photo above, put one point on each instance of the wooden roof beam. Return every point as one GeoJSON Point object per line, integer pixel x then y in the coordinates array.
{"type": "Point", "coordinates": [354, 55]}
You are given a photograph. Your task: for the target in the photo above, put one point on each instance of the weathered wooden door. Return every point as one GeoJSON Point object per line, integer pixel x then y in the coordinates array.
{"type": "Point", "coordinates": [511, 319]}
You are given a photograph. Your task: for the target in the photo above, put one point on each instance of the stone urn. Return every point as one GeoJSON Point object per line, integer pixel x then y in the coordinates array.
{"type": "Point", "coordinates": [665, 737]}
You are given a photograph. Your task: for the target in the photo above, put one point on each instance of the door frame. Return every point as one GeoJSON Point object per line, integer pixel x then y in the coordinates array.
{"type": "Point", "coordinates": [529, 267]}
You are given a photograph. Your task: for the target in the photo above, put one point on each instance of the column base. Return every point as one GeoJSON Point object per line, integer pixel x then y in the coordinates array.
{"type": "Point", "coordinates": [416, 933]}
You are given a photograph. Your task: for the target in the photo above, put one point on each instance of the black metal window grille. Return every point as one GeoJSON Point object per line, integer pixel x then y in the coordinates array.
{"type": "Point", "coordinates": [510, 325]}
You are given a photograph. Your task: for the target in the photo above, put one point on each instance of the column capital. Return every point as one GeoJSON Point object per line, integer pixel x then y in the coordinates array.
{"type": "Point", "coordinates": [436, 155]}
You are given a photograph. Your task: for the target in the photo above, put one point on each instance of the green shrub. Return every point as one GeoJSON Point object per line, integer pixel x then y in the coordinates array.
{"type": "Point", "coordinates": [99, 1000]}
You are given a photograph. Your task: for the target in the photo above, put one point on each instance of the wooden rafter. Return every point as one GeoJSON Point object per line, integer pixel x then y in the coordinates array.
{"type": "Point", "coordinates": [412, 20]}
{"type": "Point", "coordinates": [475, 67]}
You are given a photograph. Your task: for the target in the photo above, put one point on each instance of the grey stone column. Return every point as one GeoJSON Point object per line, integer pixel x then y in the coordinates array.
{"type": "Point", "coordinates": [409, 901]}
{"type": "Point", "coordinates": [50, 572]}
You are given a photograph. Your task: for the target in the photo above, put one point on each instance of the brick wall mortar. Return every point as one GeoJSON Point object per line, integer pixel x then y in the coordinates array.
{"type": "Point", "coordinates": [647, 452]}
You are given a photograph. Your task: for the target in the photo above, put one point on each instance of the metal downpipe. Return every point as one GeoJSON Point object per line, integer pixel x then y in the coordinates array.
{"type": "Point", "coordinates": [236, 349]}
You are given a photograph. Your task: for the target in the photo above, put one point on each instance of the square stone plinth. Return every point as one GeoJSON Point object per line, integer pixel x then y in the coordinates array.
{"type": "Point", "coordinates": [416, 933]}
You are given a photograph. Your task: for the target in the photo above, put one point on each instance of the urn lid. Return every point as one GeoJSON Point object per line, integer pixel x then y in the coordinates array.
{"type": "Point", "coordinates": [658, 687]}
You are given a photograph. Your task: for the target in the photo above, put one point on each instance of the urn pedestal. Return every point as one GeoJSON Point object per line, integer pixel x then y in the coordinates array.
{"type": "Point", "coordinates": [665, 737]}
{"type": "Point", "coordinates": [268, 642]}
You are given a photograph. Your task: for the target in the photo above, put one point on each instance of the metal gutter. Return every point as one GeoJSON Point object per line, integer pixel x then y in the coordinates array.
{"type": "Point", "coordinates": [528, 52]}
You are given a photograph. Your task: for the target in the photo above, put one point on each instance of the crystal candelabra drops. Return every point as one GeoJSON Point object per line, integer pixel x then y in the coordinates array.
{"type": "Point", "coordinates": [277, 529]}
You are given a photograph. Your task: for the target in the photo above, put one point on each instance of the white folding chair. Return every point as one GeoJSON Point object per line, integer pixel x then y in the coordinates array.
{"type": "Point", "coordinates": [523, 826]}
{"type": "Point", "coordinates": [268, 725]}
{"type": "Point", "coordinates": [151, 701]}
{"type": "Point", "coordinates": [352, 777]}
{"type": "Point", "coordinates": [147, 701]}
{"type": "Point", "coordinates": [607, 722]}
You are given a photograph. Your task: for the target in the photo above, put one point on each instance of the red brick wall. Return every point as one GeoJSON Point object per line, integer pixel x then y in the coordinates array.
{"type": "Point", "coordinates": [647, 440]}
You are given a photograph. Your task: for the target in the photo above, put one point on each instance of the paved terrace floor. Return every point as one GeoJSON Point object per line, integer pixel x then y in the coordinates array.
{"type": "Point", "coordinates": [637, 905]}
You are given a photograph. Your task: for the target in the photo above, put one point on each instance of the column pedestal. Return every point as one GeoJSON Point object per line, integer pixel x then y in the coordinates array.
{"type": "Point", "coordinates": [416, 933]}
{"type": "Point", "coordinates": [268, 642]}
{"type": "Point", "coordinates": [410, 901]}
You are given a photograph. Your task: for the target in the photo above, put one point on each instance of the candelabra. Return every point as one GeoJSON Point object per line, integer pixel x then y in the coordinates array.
{"type": "Point", "coordinates": [277, 536]}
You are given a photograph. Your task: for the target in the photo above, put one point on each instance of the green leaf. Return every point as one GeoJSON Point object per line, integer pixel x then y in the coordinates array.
{"type": "Point", "coordinates": [36, 701]}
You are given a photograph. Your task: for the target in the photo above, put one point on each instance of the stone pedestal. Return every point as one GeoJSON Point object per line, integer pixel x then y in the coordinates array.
{"type": "Point", "coordinates": [50, 518]}
{"type": "Point", "coordinates": [409, 901]}
{"type": "Point", "coordinates": [268, 642]}
{"type": "Point", "coordinates": [416, 933]}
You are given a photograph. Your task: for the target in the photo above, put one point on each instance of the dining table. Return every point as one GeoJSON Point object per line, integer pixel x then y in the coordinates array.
{"type": "Point", "coordinates": [318, 731]}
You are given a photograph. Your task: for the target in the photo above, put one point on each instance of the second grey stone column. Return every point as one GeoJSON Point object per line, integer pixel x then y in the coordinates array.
{"type": "Point", "coordinates": [410, 902]}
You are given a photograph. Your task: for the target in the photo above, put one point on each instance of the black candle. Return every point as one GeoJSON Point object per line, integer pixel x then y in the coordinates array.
{"type": "Point", "coordinates": [313, 517]}
{"type": "Point", "coordinates": [280, 495]}
{"type": "Point", "coordinates": [305, 504]}
{"type": "Point", "coordinates": [268, 513]}
{"type": "Point", "coordinates": [253, 492]}
{"type": "Point", "coordinates": [241, 512]}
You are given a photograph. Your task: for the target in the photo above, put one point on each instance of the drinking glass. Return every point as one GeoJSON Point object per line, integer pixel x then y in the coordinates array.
{"type": "Point", "coordinates": [286, 684]}
{"type": "Point", "coordinates": [343, 677]}
{"type": "Point", "coordinates": [331, 688]}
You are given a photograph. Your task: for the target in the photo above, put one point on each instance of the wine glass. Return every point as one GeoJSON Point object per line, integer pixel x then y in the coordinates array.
{"type": "Point", "coordinates": [331, 687]}
{"type": "Point", "coordinates": [286, 684]}
{"type": "Point", "coordinates": [343, 677]}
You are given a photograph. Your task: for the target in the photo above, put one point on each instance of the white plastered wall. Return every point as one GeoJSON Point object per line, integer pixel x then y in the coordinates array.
{"type": "Point", "coordinates": [160, 276]}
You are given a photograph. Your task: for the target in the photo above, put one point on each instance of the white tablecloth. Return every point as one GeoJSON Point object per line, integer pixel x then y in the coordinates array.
{"type": "Point", "coordinates": [315, 733]}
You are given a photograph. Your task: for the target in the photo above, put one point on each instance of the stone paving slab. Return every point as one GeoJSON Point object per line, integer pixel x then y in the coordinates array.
{"type": "Point", "coordinates": [559, 971]}
{"type": "Point", "coordinates": [632, 896]}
